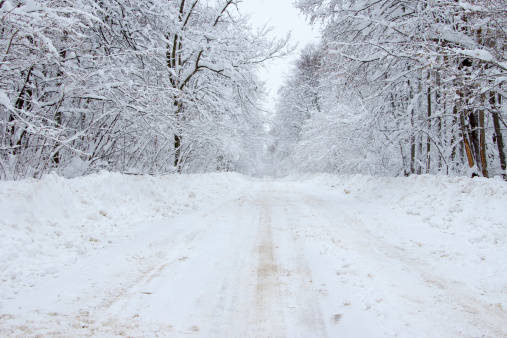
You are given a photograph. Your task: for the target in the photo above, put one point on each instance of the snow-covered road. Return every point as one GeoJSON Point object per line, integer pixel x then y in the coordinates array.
{"type": "Point", "coordinates": [277, 260]}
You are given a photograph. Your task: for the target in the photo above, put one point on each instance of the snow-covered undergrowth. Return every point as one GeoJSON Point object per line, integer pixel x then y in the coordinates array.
{"type": "Point", "coordinates": [474, 207]}
{"type": "Point", "coordinates": [46, 224]}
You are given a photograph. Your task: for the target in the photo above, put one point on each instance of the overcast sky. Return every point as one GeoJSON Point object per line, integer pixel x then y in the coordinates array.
{"type": "Point", "coordinates": [283, 17]}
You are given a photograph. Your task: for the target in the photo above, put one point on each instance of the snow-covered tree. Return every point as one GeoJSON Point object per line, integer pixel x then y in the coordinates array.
{"type": "Point", "coordinates": [146, 86]}
{"type": "Point", "coordinates": [430, 75]}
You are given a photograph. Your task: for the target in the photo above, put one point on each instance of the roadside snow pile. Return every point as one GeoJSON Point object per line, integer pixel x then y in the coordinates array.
{"type": "Point", "coordinates": [474, 207]}
{"type": "Point", "coordinates": [52, 222]}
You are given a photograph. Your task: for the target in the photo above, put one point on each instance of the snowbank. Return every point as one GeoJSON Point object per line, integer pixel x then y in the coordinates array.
{"type": "Point", "coordinates": [474, 207]}
{"type": "Point", "coordinates": [52, 222]}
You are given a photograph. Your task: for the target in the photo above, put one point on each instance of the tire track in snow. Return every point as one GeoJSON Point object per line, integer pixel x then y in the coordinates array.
{"type": "Point", "coordinates": [439, 289]}
{"type": "Point", "coordinates": [301, 294]}
{"type": "Point", "coordinates": [201, 294]}
{"type": "Point", "coordinates": [287, 302]}
{"type": "Point", "coordinates": [267, 287]}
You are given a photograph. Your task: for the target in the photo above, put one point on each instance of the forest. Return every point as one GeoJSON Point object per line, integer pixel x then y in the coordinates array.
{"type": "Point", "coordinates": [138, 87]}
{"type": "Point", "coordinates": [151, 186]}
{"type": "Point", "coordinates": [397, 88]}
{"type": "Point", "coordinates": [394, 88]}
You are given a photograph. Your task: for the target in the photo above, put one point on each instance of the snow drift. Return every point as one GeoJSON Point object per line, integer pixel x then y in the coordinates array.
{"type": "Point", "coordinates": [52, 222]}
{"type": "Point", "coordinates": [476, 207]}
{"type": "Point", "coordinates": [49, 223]}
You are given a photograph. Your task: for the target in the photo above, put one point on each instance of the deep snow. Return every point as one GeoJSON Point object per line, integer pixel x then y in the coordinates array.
{"type": "Point", "coordinates": [50, 223]}
{"type": "Point", "coordinates": [226, 255]}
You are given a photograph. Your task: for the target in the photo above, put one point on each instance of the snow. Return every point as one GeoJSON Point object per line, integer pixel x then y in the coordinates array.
{"type": "Point", "coordinates": [480, 54]}
{"type": "Point", "coordinates": [31, 6]}
{"type": "Point", "coordinates": [4, 100]}
{"type": "Point", "coordinates": [225, 255]}
{"type": "Point", "coordinates": [477, 207]}
{"type": "Point", "coordinates": [49, 224]}
{"type": "Point", "coordinates": [7, 6]}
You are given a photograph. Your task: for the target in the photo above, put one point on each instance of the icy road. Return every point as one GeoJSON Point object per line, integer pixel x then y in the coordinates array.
{"type": "Point", "coordinates": [278, 260]}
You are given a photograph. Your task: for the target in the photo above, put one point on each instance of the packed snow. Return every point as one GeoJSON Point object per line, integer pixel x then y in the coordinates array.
{"type": "Point", "coordinates": [225, 255]}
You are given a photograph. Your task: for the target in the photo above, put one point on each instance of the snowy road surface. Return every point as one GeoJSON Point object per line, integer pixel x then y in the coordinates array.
{"type": "Point", "coordinates": [277, 260]}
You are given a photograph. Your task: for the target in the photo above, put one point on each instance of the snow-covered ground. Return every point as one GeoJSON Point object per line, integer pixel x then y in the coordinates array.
{"type": "Point", "coordinates": [223, 255]}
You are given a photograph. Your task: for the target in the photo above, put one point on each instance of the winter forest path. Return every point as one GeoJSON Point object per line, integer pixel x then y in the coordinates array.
{"type": "Point", "coordinates": [277, 261]}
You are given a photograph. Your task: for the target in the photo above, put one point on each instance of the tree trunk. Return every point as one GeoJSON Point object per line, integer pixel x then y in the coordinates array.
{"type": "Point", "coordinates": [177, 139]}
{"type": "Point", "coordinates": [452, 142]}
{"type": "Point", "coordinates": [412, 155]}
{"type": "Point", "coordinates": [406, 169]}
{"type": "Point", "coordinates": [498, 132]}
{"type": "Point", "coordinates": [23, 101]}
{"type": "Point", "coordinates": [420, 155]}
{"type": "Point", "coordinates": [428, 143]}
{"type": "Point", "coordinates": [482, 140]}
{"type": "Point", "coordinates": [173, 59]}
{"type": "Point", "coordinates": [470, 156]}
{"type": "Point", "coordinates": [177, 152]}
{"type": "Point", "coordinates": [58, 113]}
{"type": "Point", "coordinates": [412, 136]}
{"type": "Point", "coordinates": [474, 137]}
{"type": "Point", "coordinates": [440, 128]}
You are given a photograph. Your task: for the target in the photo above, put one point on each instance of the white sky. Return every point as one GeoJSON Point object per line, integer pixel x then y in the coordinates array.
{"type": "Point", "coordinates": [284, 18]}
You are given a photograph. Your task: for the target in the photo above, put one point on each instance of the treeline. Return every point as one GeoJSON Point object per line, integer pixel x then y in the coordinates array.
{"type": "Point", "coordinates": [398, 88]}
{"type": "Point", "coordinates": [136, 86]}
